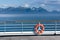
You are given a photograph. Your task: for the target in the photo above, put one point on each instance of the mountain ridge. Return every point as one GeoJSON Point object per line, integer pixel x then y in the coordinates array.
{"type": "Point", "coordinates": [25, 10]}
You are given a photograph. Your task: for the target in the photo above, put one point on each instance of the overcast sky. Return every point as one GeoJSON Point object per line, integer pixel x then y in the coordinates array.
{"type": "Point", "coordinates": [47, 4]}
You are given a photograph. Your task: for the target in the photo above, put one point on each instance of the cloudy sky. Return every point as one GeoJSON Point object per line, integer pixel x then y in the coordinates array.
{"type": "Point", "coordinates": [47, 4]}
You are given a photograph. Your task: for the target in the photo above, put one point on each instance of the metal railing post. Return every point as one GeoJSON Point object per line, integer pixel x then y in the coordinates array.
{"type": "Point", "coordinates": [22, 26]}
{"type": "Point", "coordinates": [55, 26]}
{"type": "Point", "coordinates": [4, 26]}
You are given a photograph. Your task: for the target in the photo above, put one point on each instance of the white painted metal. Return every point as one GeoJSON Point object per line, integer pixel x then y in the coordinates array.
{"type": "Point", "coordinates": [27, 33]}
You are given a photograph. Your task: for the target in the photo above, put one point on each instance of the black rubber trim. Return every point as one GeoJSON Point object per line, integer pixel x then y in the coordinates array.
{"type": "Point", "coordinates": [29, 35]}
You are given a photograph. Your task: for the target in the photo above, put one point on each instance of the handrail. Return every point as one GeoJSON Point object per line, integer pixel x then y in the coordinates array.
{"type": "Point", "coordinates": [23, 25]}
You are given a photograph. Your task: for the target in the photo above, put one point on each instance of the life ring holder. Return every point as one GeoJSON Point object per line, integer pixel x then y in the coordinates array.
{"type": "Point", "coordinates": [36, 29]}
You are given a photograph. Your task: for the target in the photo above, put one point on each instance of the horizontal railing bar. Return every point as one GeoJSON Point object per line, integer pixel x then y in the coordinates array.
{"type": "Point", "coordinates": [1, 30]}
{"type": "Point", "coordinates": [18, 27]}
{"type": "Point", "coordinates": [25, 27]}
{"type": "Point", "coordinates": [28, 24]}
{"type": "Point", "coordinates": [49, 29]}
{"type": "Point", "coordinates": [31, 28]}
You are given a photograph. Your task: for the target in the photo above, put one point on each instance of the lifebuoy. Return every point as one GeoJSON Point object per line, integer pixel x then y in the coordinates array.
{"type": "Point", "coordinates": [39, 31]}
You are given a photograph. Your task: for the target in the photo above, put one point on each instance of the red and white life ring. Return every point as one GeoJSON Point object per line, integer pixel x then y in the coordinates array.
{"type": "Point", "coordinates": [42, 29]}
